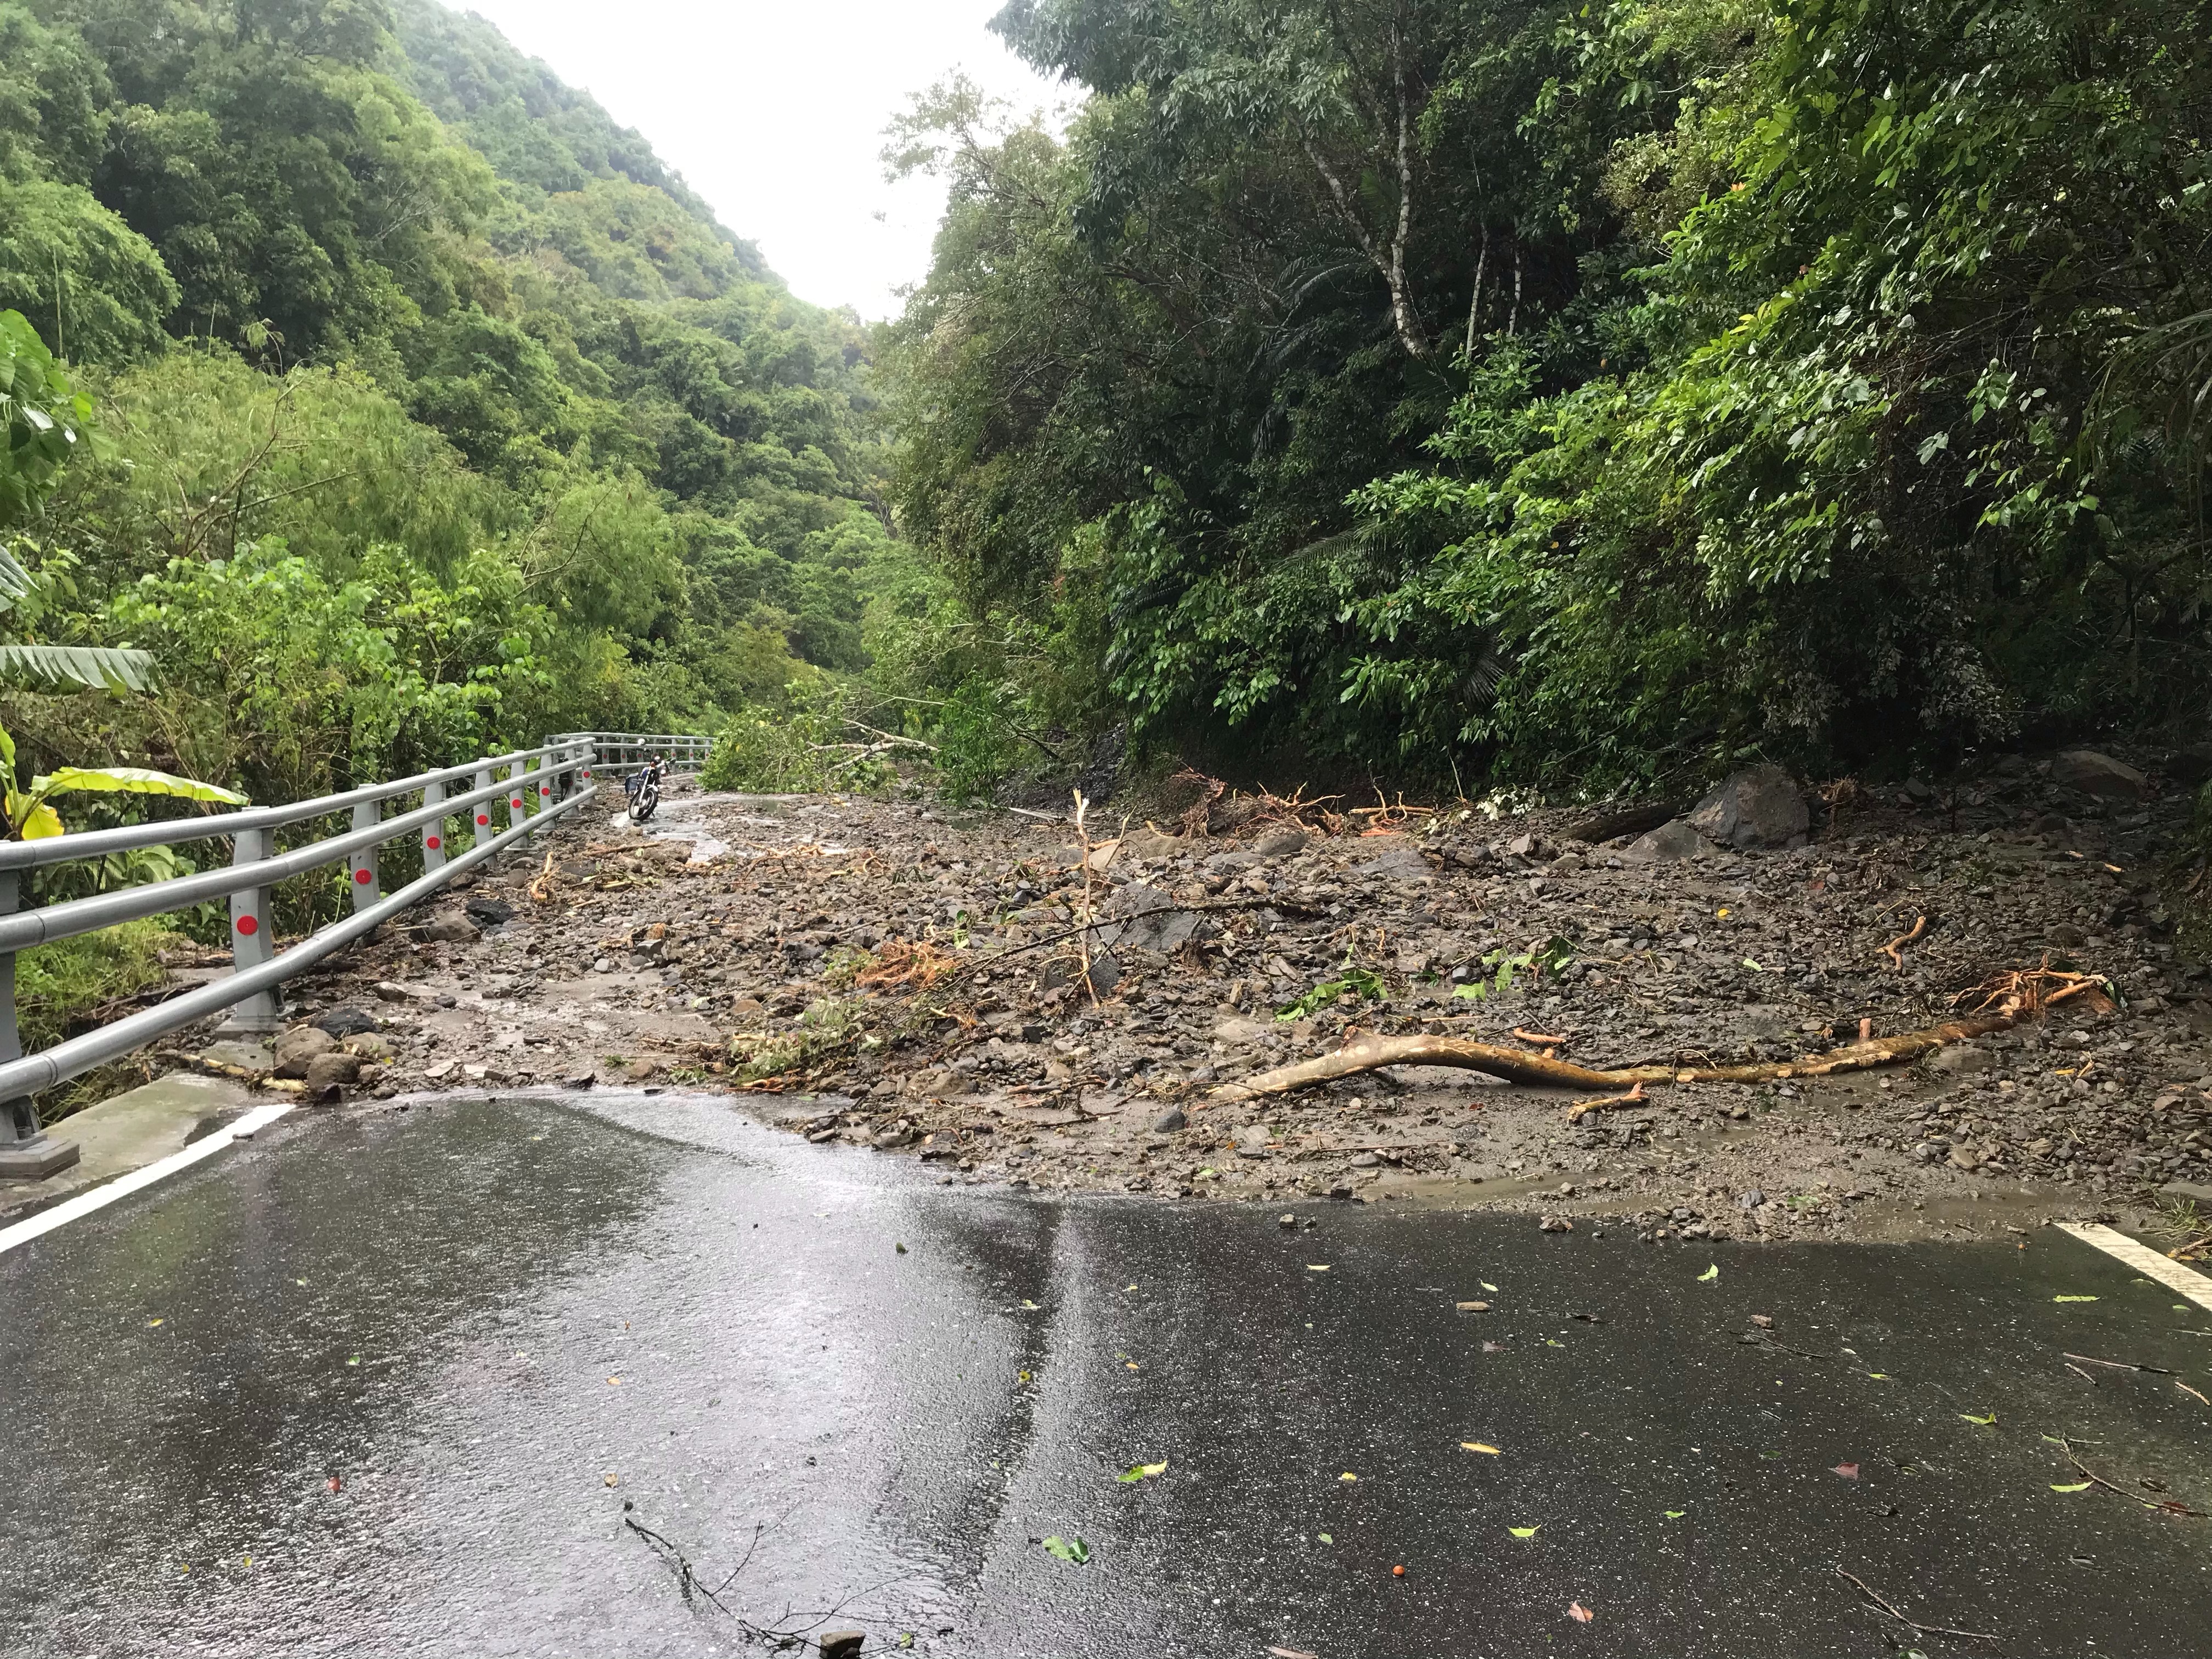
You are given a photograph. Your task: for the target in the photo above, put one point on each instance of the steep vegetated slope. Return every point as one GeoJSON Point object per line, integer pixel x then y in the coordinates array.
{"type": "Point", "coordinates": [1577, 395]}
{"type": "Point", "coordinates": [428, 409]}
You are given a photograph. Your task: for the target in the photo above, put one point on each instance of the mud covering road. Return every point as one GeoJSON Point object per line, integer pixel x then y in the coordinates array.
{"type": "Point", "coordinates": [833, 964]}
{"type": "Point", "coordinates": [390, 1382]}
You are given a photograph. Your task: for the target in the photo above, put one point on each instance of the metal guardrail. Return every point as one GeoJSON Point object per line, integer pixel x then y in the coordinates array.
{"type": "Point", "coordinates": [499, 799]}
{"type": "Point", "coordinates": [627, 751]}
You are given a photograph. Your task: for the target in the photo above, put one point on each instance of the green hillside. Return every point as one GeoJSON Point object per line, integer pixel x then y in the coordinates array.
{"type": "Point", "coordinates": [429, 409]}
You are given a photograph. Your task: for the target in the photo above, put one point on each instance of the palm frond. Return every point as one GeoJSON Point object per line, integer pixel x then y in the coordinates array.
{"type": "Point", "coordinates": [95, 667]}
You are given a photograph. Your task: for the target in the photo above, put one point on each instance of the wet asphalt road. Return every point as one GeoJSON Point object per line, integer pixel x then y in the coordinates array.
{"type": "Point", "coordinates": [496, 1323]}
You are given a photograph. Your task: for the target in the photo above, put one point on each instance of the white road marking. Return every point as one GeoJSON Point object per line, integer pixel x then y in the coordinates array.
{"type": "Point", "coordinates": [98, 1198]}
{"type": "Point", "coordinates": [2144, 1259]}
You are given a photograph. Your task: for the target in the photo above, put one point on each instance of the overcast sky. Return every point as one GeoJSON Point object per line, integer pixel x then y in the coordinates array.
{"type": "Point", "coordinates": [775, 113]}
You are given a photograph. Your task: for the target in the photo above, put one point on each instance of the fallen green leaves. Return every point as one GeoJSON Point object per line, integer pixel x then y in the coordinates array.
{"type": "Point", "coordinates": [1141, 1472]}
{"type": "Point", "coordinates": [1526, 1532]}
{"type": "Point", "coordinates": [1073, 1550]}
{"type": "Point", "coordinates": [1709, 1274]}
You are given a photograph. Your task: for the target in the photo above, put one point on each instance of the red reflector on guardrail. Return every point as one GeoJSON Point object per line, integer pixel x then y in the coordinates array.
{"type": "Point", "coordinates": [432, 842]}
{"type": "Point", "coordinates": [248, 926]}
{"type": "Point", "coordinates": [364, 877]}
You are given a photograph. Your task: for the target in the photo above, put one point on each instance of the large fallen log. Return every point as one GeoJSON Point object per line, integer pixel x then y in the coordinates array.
{"type": "Point", "coordinates": [2022, 997]}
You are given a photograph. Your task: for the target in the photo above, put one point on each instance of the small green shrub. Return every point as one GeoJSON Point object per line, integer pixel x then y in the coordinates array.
{"type": "Point", "coordinates": [59, 985]}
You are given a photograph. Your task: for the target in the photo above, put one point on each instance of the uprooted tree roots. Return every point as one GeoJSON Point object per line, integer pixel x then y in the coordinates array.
{"type": "Point", "coordinates": [2003, 1000]}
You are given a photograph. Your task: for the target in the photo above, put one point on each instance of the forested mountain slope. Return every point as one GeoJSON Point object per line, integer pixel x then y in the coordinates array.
{"type": "Point", "coordinates": [1580, 394]}
{"type": "Point", "coordinates": [429, 409]}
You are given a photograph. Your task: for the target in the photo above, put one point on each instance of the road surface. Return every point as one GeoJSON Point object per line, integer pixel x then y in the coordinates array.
{"type": "Point", "coordinates": [395, 1384]}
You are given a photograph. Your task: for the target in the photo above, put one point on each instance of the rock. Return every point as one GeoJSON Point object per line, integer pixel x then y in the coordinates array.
{"type": "Point", "coordinates": [1555, 1224]}
{"type": "Point", "coordinates": [1667, 844]}
{"type": "Point", "coordinates": [1252, 1140]}
{"type": "Point", "coordinates": [452, 927]}
{"type": "Point", "coordinates": [899, 1134]}
{"type": "Point", "coordinates": [842, 1643]}
{"type": "Point", "coordinates": [388, 991]}
{"type": "Point", "coordinates": [300, 1045]}
{"type": "Point", "coordinates": [2053, 823]}
{"type": "Point", "coordinates": [580, 1080]}
{"type": "Point", "coordinates": [1170, 1121]}
{"type": "Point", "coordinates": [1964, 1157]}
{"type": "Point", "coordinates": [1365, 1161]}
{"type": "Point", "coordinates": [1150, 843]}
{"type": "Point", "coordinates": [2192, 764]}
{"type": "Point", "coordinates": [1751, 1200]}
{"type": "Point", "coordinates": [2066, 934]}
{"type": "Point", "coordinates": [1959, 1057]}
{"type": "Point", "coordinates": [1281, 844]}
{"type": "Point", "coordinates": [325, 1074]}
{"type": "Point", "coordinates": [347, 1022]}
{"type": "Point", "coordinates": [1398, 860]}
{"type": "Point", "coordinates": [2098, 774]}
{"type": "Point", "coordinates": [1608, 823]}
{"type": "Point", "coordinates": [1163, 931]}
{"type": "Point", "coordinates": [2192, 1192]}
{"type": "Point", "coordinates": [489, 911]}
{"type": "Point", "coordinates": [1760, 806]}
{"type": "Point", "coordinates": [369, 1045]}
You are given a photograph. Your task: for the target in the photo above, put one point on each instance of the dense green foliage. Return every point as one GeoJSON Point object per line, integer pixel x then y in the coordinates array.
{"type": "Point", "coordinates": [1575, 393]}
{"type": "Point", "coordinates": [397, 401]}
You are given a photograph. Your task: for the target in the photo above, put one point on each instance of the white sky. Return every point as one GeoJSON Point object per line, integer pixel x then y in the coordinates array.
{"type": "Point", "coordinates": [775, 113]}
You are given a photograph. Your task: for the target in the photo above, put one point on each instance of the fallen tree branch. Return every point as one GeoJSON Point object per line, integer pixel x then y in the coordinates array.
{"type": "Point", "coordinates": [2171, 1506]}
{"type": "Point", "coordinates": [1919, 926]}
{"type": "Point", "coordinates": [1890, 1607]}
{"type": "Point", "coordinates": [1518, 1066]}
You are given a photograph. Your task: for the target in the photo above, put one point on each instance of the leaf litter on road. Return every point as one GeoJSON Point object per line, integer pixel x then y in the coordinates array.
{"type": "Point", "coordinates": [1141, 1472]}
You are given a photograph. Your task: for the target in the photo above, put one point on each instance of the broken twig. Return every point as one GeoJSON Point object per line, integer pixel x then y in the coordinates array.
{"type": "Point", "coordinates": [1890, 1607]}
{"type": "Point", "coordinates": [2171, 1506]}
{"type": "Point", "coordinates": [1919, 926]}
{"type": "Point", "coordinates": [2119, 1364]}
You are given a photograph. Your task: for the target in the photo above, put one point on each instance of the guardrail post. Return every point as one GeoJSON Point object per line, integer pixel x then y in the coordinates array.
{"type": "Point", "coordinates": [516, 811]}
{"type": "Point", "coordinates": [545, 781]}
{"type": "Point", "coordinates": [367, 890]}
{"type": "Point", "coordinates": [27, 1151]}
{"type": "Point", "coordinates": [433, 833]}
{"type": "Point", "coordinates": [252, 941]}
{"type": "Point", "coordinates": [481, 831]}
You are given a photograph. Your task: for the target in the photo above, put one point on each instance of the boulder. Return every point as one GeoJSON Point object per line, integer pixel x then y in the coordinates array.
{"type": "Point", "coordinates": [1759, 806]}
{"type": "Point", "coordinates": [2192, 764]}
{"type": "Point", "coordinates": [489, 911]}
{"type": "Point", "coordinates": [325, 1074]}
{"type": "Point", "coordinates": [1150, 843]}
{"type": "Point", "coordinates": [1281, 844]}
{"type": "Point", "coordinates": [1667, 844]}
{"type": "Point", "coordinates": [346, 1021]}
{"type": "Point", "coordinates": [1170, 1121]}
{"type": "Point", "coordinates": [1398, 859]}
{"type": "Point", "coordinates": [452, 927]}
{"type": "Point", "coordinates": [1609, 823]}
{"type": "Point", "coordinates": [1159, 932]}
{"type": "Point", "coordinates": [2098, 774]}
{"type": "Point", "coordinates": [299, 1046]}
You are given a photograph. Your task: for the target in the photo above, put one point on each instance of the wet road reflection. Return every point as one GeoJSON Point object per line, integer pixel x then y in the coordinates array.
{"type": "Point", "coordinates": [494, 1323]}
